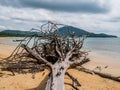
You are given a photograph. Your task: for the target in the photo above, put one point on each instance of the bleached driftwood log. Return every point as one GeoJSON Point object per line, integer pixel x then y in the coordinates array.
{"type": "Point", "coordinates": [51, 50]}
{"type": "Point", "coordinates": [104, 75]}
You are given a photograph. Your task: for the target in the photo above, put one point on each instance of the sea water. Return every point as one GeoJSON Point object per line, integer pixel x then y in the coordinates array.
{"type": "Point", "coordinates": [107, 47]}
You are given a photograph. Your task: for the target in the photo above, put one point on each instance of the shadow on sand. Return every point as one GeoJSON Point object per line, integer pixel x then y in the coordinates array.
{"type": "Point", "coordinates": [42, 84]}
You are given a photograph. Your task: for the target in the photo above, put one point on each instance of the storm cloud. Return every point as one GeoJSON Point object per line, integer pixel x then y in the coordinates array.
{"type": "Point", "coordinates": [85, 6]}
{"type": "Point", "coordinates": [98, 16]}
{"type": "Point", "coordinates": [115, 19]}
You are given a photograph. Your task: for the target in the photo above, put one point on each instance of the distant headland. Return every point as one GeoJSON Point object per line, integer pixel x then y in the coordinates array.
{"type": "Point", "coordinates": [61, 31]}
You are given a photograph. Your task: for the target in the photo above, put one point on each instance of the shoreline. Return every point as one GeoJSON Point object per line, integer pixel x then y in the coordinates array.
{"type": "Point", "coordinates": [25, 81]}
{"type": "Point", "coordinates": [96, 60]}
{"type": "Point", "coordinates": [103, 62]}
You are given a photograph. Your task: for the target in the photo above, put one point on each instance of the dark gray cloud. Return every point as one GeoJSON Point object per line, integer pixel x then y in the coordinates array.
{"type": "Point", "coordinates": [21, 19]}
{"type": "Point", "coordinates": [115, 19]}
{"type": "Point", "coordinates": [85, 6]}
{"type": "Point", "coordinates": [28, 20]}
{"type": "Point", "coordinates": [13, 3]}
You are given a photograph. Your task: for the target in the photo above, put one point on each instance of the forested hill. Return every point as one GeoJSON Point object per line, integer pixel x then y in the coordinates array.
{"type": "Point", "coordinates": [17, 33]}
{"type": "Point", "coordinates": [80, 32]}
{"type": "Point", "coordinates": [61, 31]}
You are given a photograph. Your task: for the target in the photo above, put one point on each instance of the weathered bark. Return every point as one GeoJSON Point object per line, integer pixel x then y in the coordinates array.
{"type": "Point", "coordinates": [56, 79]}
{"type": "Point", "coordinates": [57, 52]}
{"type": "Point", "coordinates": [36, 55]}
{"type": "Point", "coordinates": [75, 81]}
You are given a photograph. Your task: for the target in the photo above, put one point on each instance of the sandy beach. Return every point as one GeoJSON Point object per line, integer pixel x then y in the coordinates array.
{"type": "Point", "coordinates": [113, 66]}
{"type": "Point", "coordinates": [88, 82]}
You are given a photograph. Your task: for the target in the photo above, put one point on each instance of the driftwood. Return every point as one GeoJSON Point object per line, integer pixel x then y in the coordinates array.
{"type": "Point", "coordinates": [49, 49]}
{"type": "Point", "coordinates": [104, 75]}
{"type": "Point", "coordinates": [75, 83]}
{"type": "Point", "coordinates": [18, 40]}
{"type": "Point", "coordinates": [75, 88]}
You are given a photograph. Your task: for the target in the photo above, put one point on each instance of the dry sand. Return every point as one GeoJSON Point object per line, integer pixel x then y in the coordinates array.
{"type": "Point", "coordinates": [6, 50]}
{"type": "Point", "coordinates": [25, 82]}
{"type": "Point", "coordinates": [113, 66]}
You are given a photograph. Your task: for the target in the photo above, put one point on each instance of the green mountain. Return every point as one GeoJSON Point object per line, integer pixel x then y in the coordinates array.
{"type": "Point", "coordinates": [17, 33]}
{"type": "Point", "coordinates": [62, 31]}
{"type": "Point", "coordinates": [80, 32]}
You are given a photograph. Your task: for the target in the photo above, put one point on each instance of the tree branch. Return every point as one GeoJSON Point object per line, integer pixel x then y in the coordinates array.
{"type": "Point", "coordinates": [69, 54]}
{"type": "Point", "coordinates": [36, 55]}
{"type": "Point", "coordinates": [75, 81]}
{"type": "Point", "coordinates": [57, 50]}
{"type": "Point", "coordinates": [99, 73]}
{"type": "Point", "coordinates": [75, 88]}
{"type": "Point", "coordinates": [80, 62]}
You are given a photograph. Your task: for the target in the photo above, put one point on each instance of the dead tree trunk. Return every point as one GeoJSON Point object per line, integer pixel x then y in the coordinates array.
{"type": "Point", "coordinates": [56, 80]}
{"type": "Point", "coordinates": [56, 52]}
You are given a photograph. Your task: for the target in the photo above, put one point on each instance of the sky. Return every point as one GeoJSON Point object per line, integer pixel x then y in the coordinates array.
{"type": "Point", "coordinates": [98, 16]}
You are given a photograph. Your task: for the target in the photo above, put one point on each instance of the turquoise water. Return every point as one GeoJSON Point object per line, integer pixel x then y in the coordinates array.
{"type": "Point", "coordinates": [103, 44]}
{"type": "Point", "coordinates": [108, 47]}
